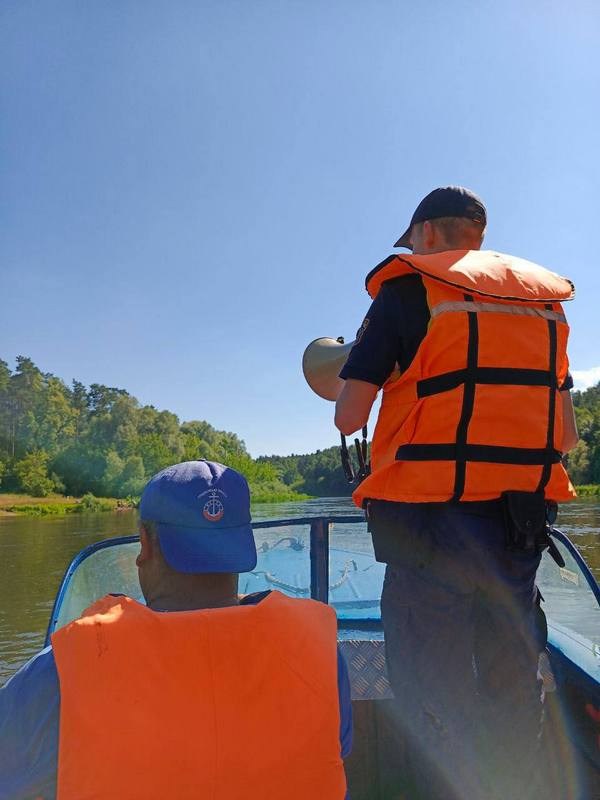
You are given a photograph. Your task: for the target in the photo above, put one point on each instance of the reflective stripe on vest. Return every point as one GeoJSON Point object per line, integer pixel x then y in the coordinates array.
{"type": "Point", "coordinates": [476, 413]}
{"type": "Point", "coordinates": [225, 703]}
{"type": "Point", "coordinates": [496, 308]}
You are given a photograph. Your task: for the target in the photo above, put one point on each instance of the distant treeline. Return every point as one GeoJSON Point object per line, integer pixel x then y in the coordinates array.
{"type": "Point", "coordinates": [584, 459]}
{"type": "Point", "coordinates": [74, 440]}
{"type": "Point", "coordinates": [319, 474]}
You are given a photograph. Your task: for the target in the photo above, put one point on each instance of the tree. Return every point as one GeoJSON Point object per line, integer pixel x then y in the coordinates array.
{"type": "Point", "coordinates": [318, 474]}
{"type": "Point", "coordinates": [79, 403]}
{"type": "Point", "coordinates": [579, 463]}
{"type": "Point", "coordinates": [5, 421]}
{"type": "Point", "coordinates": [133, 477]}
{"type": "Point", "coordinates": [32, 474]}
{"type": "Point", "coordinates": [81, 466]}
{"type": "Point", "coordinates": [25, 387]}
{"type": "Point", "coordinates": [155, 453]}
{"type": "Point", "coordinates": [194, 448]}
{"type": "Point", "coordinates": [112, 475]}
{"type": "Point", "coordinates": [586, 461]}
{"type": "Point", "coordinates": [113, 424]}
{"type": "Point", "coordinates": [56, 417]}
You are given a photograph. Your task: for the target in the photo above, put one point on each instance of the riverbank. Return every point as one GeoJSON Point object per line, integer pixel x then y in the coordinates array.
{"type": "Point", "coordinates": [58, 504]}
{"type": "Point", "coordinates": [258, 495]}
{"type": "Point", "coordinates": [590, 490]}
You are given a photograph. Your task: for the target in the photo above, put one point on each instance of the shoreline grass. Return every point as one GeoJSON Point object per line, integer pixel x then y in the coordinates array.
{"type": "Point", "coordinates": [589, 490]}
{"type": "Point", "coordinates": [56, 505]}
{"type": "Point", "coordinates": [278, 497]}
{"type": "Point", "coordinates": [59, 505]}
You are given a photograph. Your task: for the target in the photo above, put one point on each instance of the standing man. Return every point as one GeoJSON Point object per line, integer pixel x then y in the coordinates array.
{"type": "Point", "coordinates": [465, 456]}
{"type": "Point", "coordinates": [200, 693]}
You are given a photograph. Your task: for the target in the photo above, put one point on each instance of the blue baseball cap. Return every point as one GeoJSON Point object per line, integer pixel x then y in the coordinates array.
{"type": "Point", "coordinates": [201, 511]}
{"type": "Point", "coordinates": [447, 201]}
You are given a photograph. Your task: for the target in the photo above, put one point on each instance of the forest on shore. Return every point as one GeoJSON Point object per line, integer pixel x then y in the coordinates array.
{"type": "Point", "coordinates": [584, 459]}
{"type": "Point", "coordinates": [76, 440]}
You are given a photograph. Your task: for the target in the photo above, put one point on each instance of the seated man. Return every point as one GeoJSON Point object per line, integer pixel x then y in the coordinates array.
{"type": "Point", "coordinates": [200, 693]}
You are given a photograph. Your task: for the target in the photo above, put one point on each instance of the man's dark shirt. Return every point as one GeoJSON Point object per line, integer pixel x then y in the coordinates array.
{"type": "Point", "coordinates": [397, 323]}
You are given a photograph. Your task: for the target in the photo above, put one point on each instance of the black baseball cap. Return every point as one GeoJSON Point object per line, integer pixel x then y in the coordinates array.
{"type": "Point", "coordinates": [447, 201]}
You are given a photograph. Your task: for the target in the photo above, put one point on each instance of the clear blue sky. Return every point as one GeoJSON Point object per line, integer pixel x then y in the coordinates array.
{"type": "Point", "coordinates": [193, 191]}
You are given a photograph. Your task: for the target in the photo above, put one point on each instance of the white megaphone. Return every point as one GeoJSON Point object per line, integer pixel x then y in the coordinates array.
{"type": "Point", "coordinates": [322, 362]}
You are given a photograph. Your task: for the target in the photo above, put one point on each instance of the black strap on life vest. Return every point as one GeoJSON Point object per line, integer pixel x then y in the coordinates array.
{"type": "Point", "coordinates": [486, 453]}
{"type": "Point", "coordinates": [460, 451]}
{"type": "Point", "coordinates": [553, 344]}
{"type": "Point", "coordinates": [505, 375]}
{"type": "Point", "coordinates": [467, 404]}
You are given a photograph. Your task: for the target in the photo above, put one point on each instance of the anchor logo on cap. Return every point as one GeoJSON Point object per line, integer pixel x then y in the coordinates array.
{"type": "Point", "coordinates": [213, 509]}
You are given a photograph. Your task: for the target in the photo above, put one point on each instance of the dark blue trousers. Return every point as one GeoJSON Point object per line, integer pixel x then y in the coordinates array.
{"type": "Point", "coordinates": [463, 632]}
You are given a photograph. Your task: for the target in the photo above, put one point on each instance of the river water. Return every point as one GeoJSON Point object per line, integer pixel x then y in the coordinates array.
{"type": "Point", "coordinates": [34, 553]}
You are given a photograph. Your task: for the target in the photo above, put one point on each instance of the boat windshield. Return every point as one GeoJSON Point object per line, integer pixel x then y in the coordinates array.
{"type": "Point", "coordinates": [353, 580]}
{"type": "Point", "coordinates": [570, 593]}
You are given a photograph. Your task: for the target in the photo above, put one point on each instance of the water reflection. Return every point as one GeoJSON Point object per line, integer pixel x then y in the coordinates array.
{"type": "Point", "coordinates": [581, 522]}
{"type": "Point", "coordinates": [34, 554]}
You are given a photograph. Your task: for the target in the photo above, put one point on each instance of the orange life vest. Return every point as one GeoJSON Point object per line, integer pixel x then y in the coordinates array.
{"type": "Point", "coordinates": [224, 703]}
{"type": "Point", "coordinates": [478, 411]}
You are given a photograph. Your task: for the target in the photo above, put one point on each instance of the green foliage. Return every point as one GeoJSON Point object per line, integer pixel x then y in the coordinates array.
{"type": "Point", "coordinates": [100, 442]}
{"type": "Point", "coordinates": [112, 475]}
{"type": "Point", "coordinates": [31, 473]}
{"type": "Point", "coordinates": [90, 503]}
{"type": "Point", "coordinates": [41, 509]}
{"type": "Point", "coordinates": [133, 477]}
{"type": "Point", "coordinates": [579, 462]}
{"type": "Point", "coordinates": [584, 460]}
{"type": "Point", "coordinates": [317, 474]}
{"type": "Point", "coordinates": [155, 453]}
{"type": "Point", "coordinates": [273, 493]}
{"type": "Point", "coordinates": [592, 490]}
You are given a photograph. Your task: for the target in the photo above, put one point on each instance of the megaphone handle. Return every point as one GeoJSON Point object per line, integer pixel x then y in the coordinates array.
{"type": "Point", "coordinates": [364, 468]}
{"type": "Point", "coordinates": [365, 454]}
{"type": "Point", "coordinates": [346, 460]}
{"type": "Point", "coordinates": [359, 455]}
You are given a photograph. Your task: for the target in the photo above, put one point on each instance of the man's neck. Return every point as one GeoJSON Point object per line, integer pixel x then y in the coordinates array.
{"type": "Point", "coordinates": [189, 603]}
{"type": "Point", "coordinates": [190, 592]}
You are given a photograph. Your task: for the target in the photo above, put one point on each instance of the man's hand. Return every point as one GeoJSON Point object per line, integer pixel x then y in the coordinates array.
{"type": "Point", "coordinates": [353, 405]}
{"type": "Point", "coordinates": [570, 436]}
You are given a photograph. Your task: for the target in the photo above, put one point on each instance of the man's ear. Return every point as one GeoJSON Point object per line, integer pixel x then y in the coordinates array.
{"type": "Point", "coordinates": [429, 235]}
{"type": "Point", "coordinates": [146, 547]}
